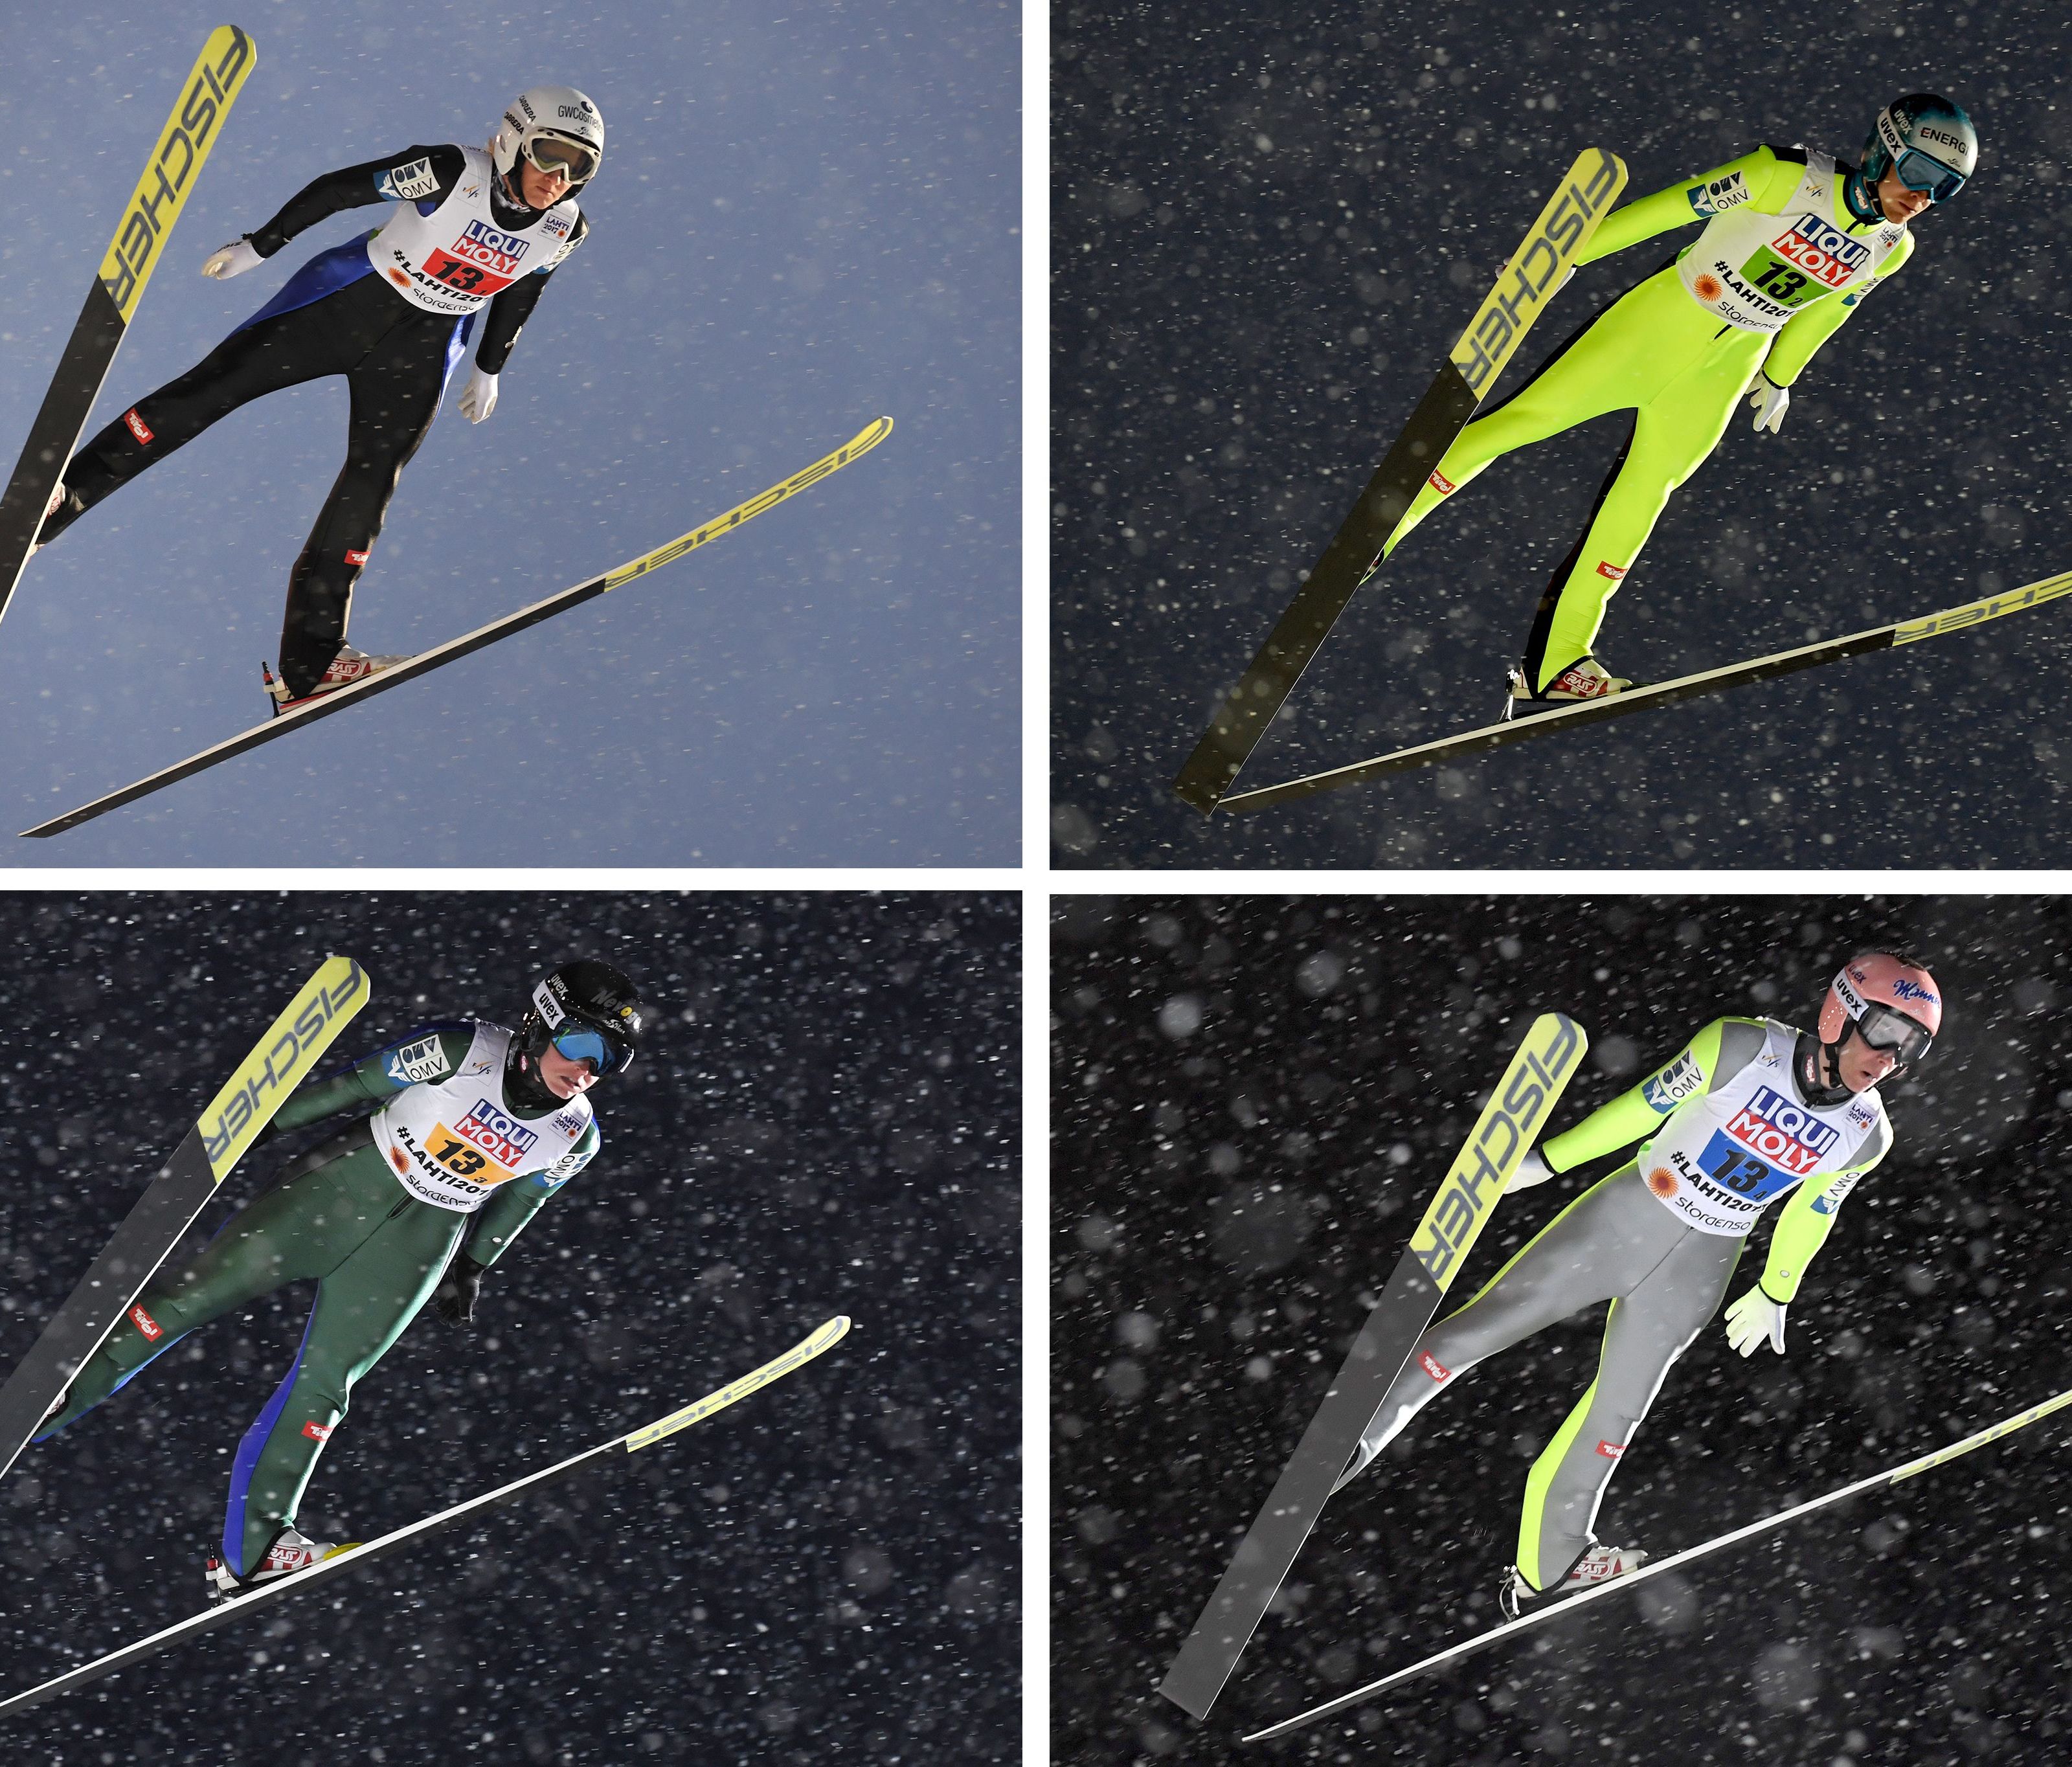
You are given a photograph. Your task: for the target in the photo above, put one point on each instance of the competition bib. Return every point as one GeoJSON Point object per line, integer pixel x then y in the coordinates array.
{"type": "Point", "coordinates": [451, 1142]}
{"type": "Point", "coordinates": [1755, 269]}
{"type": "Point", "coordinates": [1721, 1159]}
{"type": "Point", "coordinates": [452, 257]}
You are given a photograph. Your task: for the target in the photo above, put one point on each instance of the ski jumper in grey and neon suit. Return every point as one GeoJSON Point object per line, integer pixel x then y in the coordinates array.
{"type": "Point", "coordinates": [1726, 1130]}
{"type": "Point", "coordinates": [372, 1216]}
{"type": "Point", "coordinates": [1783, 259]}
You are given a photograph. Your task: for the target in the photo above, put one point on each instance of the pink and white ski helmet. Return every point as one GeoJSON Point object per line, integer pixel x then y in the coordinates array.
{"type": "Point", "coordinates": [1892, 1001]}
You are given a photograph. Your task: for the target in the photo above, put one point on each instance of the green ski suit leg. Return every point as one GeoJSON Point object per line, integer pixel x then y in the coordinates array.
{"type": "Point", "coordinates": [1656, 352]}
{"type": "Point", "coordinates": [337, 1217]}
{"type": "Point", "coordinates": [1615, 1241]}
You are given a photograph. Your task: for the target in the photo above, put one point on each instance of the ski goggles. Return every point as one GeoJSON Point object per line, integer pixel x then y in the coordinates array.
{"type": "Point", "coordinates": [1927, 174]}
{"type": "Point", "coordinates": [580, 1043]}
{"type": "Point", "coordinates": [1905, 1040]}
{"type": "Point", "coordinates": [573, 161]}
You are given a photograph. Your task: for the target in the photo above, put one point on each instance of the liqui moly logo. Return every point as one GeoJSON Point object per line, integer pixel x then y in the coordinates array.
{"type": "Point", "coordinates": [1824, 252]}
{"type": "Point", "coordinates": [504, 1139]}
{"type": "Point", "coordinates": [1785, 1137]}
{"type": "Point", "coordinates": [482, 244]}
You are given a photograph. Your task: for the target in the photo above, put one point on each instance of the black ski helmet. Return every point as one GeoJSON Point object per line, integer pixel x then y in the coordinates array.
{"type": "Point", "coordinates": [585, 995]}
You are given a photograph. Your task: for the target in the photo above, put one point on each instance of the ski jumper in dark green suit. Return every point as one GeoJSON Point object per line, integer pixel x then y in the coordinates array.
{"type": "Point", "coordinates": [354, 1216]}
{"type": "Point", "coordinates": [1785, 258]}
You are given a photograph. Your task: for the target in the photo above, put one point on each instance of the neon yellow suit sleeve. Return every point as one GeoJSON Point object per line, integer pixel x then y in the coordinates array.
{"type": "Point", "coordinates": [1802, 1229]}
{"type": "Point", "coordinates": [1769, 181]}
{"type": "Point", "coordinates": [1633, 1116]}
{"type": "Point", "coordinates": [1811, 326]}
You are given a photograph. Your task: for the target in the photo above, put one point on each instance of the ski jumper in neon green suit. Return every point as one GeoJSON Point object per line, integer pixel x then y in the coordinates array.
{"type": "Point", "coordinates": [1726, 1128]}
{"type": "Point", "coordinates": [345, 1217]}
{"type": "Point", "coordinates": [1785, 258]}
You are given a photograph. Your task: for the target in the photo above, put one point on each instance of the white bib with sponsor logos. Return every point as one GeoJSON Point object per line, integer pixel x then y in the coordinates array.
{"type": "Point", "coordinates": [1755, 269]}
{"type": "Point", "coordinates": [452, 1142]}
{"type": "Point", "coordinates": [455, 258]}
{"type": "Point", "coordinates": [1724, 1158]}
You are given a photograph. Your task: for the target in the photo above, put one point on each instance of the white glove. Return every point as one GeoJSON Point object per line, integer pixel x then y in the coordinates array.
{"type": "Point", "coordinates": [478, 399]}
{"type": "Point", "coordinates": [234, 259]}
{"type": "Point", "coordinates": [1532, 1170]}
{"type": "Point", "coordinates": [1770, 401]}
{"type": "Point", "coordinates": [1753, 1318]}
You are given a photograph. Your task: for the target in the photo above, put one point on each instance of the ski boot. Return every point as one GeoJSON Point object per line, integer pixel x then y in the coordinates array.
{"type": "Point", "coordinates": [347, 668]}
{"type": "Point", "coordinates": [292, 1550]}
{"type": "Point", "coordinates": [1600, 1564]}
{"type": "Point", "coordinates": [1584, 679]}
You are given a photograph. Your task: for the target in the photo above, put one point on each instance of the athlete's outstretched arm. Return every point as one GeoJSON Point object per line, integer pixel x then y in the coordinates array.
{"type": "Point", "coordinates": [513, 307]}
{"type": "Point", "coordinates": [1637, 1113]}
{"type": "Point", "coordinates": [1805, 1221]}
{"type": "Point", "coordinates": [503, 1218]}
{"type": "Point", "coordinates": [429, 1054]}
{"type": "Point", "coordinates": [1633, 1116]}
{"type": "Point", "coordinates": [412, 175]}
{"type": "Point", "coordinates": [1810, 327]}
{"type": "Point", "coordinates": [1760, 179]}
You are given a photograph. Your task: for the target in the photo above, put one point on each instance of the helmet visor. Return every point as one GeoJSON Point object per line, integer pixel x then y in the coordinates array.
{"type": "Point", "coordinates": [1905, 1040]}
{"type": "Point", "coordinates": [1926, 173]}
{"type": "Point", "coordinates": [573, 159]}
{"type": "Point", "coordinates": [579, 1043]}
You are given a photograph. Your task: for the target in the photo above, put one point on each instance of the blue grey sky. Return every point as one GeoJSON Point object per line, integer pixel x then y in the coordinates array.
{"type": "Point", "coordinates": [807, 215]}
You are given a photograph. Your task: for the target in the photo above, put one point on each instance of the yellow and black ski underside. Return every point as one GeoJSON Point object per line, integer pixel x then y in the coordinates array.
{"type": "Point", "coordinates": [287, 723]}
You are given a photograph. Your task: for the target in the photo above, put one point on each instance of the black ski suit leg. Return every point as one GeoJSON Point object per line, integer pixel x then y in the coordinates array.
{"type": "Point", "coordinates": [285, 350]}
{"type": "Point", "coordinates": [396, 388]}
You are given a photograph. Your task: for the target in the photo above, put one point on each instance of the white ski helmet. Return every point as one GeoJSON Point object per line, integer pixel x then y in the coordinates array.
{"type": "Point", "coordinates": [554, 125]}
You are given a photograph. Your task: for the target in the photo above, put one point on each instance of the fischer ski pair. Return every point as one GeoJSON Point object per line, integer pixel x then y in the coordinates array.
{"type": "Point", "coordinates": [1529, 281]}
{"type": "Point", "coordinates": [211, 87]}
{"type": "Point", "coordinates": [353, 1558]}
{"type": "Point", "coordinates": [1511, 1122]}
{"type": "Point", "coordinates": [287, 723]}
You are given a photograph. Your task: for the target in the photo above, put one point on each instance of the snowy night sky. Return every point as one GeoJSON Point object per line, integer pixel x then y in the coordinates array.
{"type": "Point", "coordinates": [1251, 1103]}
{"type": "Point", "coordinates": [824, 1120]}
{"type": "Point", "coordinates": [804, 219]}
{"type": "Point", "coordinates": [1271, 223]}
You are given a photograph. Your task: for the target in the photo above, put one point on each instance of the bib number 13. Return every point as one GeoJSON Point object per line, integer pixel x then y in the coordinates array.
{"type": "Point", "coordinates": [458, 1157]}
{"type": "Point", "coordinates": [1739, 1173]}
{"type": "Point", "coordinates": [462, 277]}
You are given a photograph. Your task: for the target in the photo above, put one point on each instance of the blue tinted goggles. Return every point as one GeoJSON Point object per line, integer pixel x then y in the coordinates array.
{"type": "Point", "coordinates": [579, 1043]}
{"type": "Point", "coordinates": [1923, 172]}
